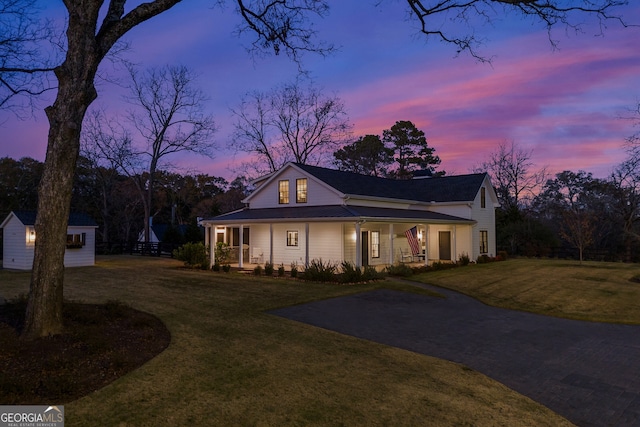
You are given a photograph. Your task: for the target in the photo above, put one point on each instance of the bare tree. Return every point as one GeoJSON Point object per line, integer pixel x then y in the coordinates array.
{"type": "Point", "coordinates": [290, 123]}
{"type": "Point", "coordinates": [443, 19]}
{"type": "Point", "coordinates": [24, 66]}
{"type": "Point", "coordinates": [168, 117]}
{"type": "Point", "coordinates": [87, 43]}
{"type": "Point", "coordinates": [277, 25]}
{"type": "Point", "coordinates": [510, 168]}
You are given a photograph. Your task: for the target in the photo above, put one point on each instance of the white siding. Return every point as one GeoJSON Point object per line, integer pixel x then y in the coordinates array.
{"type": "Point", "coordinates": [283, 254]}
{"type": "Point", "coordinates": [18, 253]}
{"type": "Point", "coordinates": [317, 193]}
{"type": "Point", "coordinates": [259, 238]}
{"type": "Point", "coordinates": [486, 220]}
{"type": "Point", "coordinates": [84, 256]}
{"type": "Point", "coordinates": [461, 210]}
{"type": "Point", "coordinates": [325, 242]}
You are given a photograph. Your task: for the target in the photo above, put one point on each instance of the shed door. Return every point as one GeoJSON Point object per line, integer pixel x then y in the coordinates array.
{"type": "Point", "coordinates": [444, 238]}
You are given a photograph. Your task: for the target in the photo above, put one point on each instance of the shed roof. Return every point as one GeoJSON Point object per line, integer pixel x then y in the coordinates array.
{"type": "Point", "coordinates": [76, 219]}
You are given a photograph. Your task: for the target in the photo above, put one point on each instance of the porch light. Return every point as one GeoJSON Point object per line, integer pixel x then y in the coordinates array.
{"type": "Point", "coordinates": [31, 235]}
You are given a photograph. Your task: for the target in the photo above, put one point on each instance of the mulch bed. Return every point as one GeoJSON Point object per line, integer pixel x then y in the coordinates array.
{"type": "Point", "coordinates": [100, 343]}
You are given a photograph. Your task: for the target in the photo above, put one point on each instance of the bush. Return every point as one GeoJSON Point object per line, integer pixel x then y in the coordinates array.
{"type": "Point", "coordinates": [294, 269]}
{"type": "Point", "coordinates": [268, 269]}
{"type": "Point", "coordinates": [281, 270]}
{"type": "Point", "coordinates": [483, 259]}
{"type": "Point", "coordinates": [222, 253]}
{"type": "Point", "coordinates": [216, 266]}
{"type": "Point", "coordinates": [257, 271]}
{"type": "Point", "coordinates": [194, 255]}
{"type": "Point", "coordinates": [370, 273]}
{"type": "Point", "coordinates": [350, 273]}
{"type": "Point", "coordinates": [226, 268]}
{"type": "Point", "coordinates": [318, 271]}
{"type": "Point", "coordinates": [503, 255]}
{"type": "Point", "coordinates": [400, 269]}
{"type": "Point", "coordinates": [464, 259]}
{"type": "Point", "coordinates": [437, 266]}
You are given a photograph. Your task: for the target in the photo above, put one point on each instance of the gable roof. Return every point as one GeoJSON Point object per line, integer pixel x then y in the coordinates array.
{"type": "Point", "coordinates": [76, 219]}
{"type": "Point", "coordinates": [458, 188]}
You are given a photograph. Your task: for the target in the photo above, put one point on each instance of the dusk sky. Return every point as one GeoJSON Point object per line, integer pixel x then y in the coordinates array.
{"type": "Point", "coordinates": [564, 104]}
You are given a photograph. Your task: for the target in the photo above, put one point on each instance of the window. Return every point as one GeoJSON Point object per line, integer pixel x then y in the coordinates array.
{"type": "Point", "coordinates": [375, 244]}
{"type": "Point", "coordinates": [292, 238]}
{"type": "Point", "coordinates": [301, 190]}
{"type": "Point", "coordinates": [76, 240]}
{"type": "Point", "coordinates": [283, 192]}
{"type": "Point", "coordinates": [483, 197]}
{"type": "Point", "coordinates": [484, 241]}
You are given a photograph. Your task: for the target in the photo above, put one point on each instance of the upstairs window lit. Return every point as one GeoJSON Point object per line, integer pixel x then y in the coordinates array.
{"type": "Point", "coordinates": [283, 192]}
{"type": "Point", "coordinates": [301, 190]}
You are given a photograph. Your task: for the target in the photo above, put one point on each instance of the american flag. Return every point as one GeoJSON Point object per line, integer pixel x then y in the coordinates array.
{"type": "Point", "coordinates": [412, 238]}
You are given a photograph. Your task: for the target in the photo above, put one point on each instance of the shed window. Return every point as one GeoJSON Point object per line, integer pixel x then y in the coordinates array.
{"type": "Point", "coordinates": [76, 240]}
{"type": "Point", "coordinates": [283, 192]}
{"type": "Point", "coordinates": [301, 190]}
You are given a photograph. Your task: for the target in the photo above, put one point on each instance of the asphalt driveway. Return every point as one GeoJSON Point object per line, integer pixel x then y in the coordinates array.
{"type": "Point", "coordinates": [587, 372]}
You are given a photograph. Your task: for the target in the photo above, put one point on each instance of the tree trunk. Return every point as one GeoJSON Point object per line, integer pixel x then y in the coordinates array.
{"type": "Point", "coordinates": [75, 93]}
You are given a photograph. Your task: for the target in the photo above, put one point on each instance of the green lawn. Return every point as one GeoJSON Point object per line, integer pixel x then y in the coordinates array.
{"type": "Point", "coordinates": [231, 364]}
{"type": "Point", "coordinates": [594, 291]}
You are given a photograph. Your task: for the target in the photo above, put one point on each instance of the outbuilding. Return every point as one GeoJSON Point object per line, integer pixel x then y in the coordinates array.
{"type": "Point", "coordinates": [19, 239]}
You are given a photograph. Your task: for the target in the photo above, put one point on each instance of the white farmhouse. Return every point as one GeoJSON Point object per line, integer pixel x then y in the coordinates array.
{"type": "Point", "coordinates": [19, 239]}
{"type": "Point", "coordinates": [303, 212]}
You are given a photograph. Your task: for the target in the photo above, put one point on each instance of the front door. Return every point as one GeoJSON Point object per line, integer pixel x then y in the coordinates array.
{"type": "Point", "coordinates": [444, 239]}
{"type": "Point", "coordinates": [365, 248]}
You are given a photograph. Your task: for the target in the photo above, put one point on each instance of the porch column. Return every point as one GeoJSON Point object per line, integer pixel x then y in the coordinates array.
{"type": "Point", "coordinates": [306, 243]}
{"type": "Point", "coordinates": [455, 250]}
{"type": "Point", "coordinates": [212, 244]}
{"type": "Point", "coordinates": [426, 245]}
{"type": "Point", "coordinates": [270, 243]}
{"type": "Point", "coordinates": [358, 245]}
{"type": "Point", "coordinates": [391, 244]}
{"type": "Point", "coordinates": [241, 243]}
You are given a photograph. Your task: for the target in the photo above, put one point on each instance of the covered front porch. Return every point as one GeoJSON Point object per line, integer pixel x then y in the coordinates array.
{"type": "Point", "coordinates": [424, 238]}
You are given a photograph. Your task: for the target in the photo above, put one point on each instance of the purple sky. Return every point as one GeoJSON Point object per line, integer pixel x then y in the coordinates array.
{"type": "Point", "coordinates": [564, 105]}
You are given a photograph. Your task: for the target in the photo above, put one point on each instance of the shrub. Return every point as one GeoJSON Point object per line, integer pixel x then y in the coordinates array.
{"type": "Point", "coordinates": [401, 269]}
{"type": "Point", "coordinates": [222, 253]}
{"type": "Point", "coordinates": [268, 269]}
{"type": "Point", "coordinates": [464, 259]}
{"type": "Point", "coordinates": [483, 259]}
{"type": "Point", "coordinates": [437, 266]}
{"type": "Point", "coordinates": [350, 273]}
{"type": "Point", "coordinates": [194, 255]}
{"type": "Point", "coordinates": [281, 270]}
{"type": "Point", "coordinates": [319, 271]}
{"type": "Point", "coordinates": [216, 266]}
{"type": "Point", "coordinates": [257, 271]}
{"type": "Point", "coordinates": [370, 273]}
{"type": "Point", "coordinates": [226, 268]}
{"type": "Point", "coordinates": [503, 255]}
{"type": "Point", "coordinates": [294, 269]}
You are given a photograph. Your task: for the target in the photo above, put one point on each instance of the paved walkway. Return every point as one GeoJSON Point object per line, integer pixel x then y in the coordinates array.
{"type": "Point", "coordinates": [587, 372]}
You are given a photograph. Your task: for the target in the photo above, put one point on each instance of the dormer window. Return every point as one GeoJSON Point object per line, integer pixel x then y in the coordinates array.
{"type": "Point", "coordinates": [301, 190]}
{"type": "Point", "coordinates": [283, 192]}
{"type": "Point", "coordinates": [483, 197]}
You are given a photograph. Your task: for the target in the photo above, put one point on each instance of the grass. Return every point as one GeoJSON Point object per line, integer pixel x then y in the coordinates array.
{"type": "Point", "coordinates": [230, 363]}
{"type": "Point", "coordinates": [593, 291]}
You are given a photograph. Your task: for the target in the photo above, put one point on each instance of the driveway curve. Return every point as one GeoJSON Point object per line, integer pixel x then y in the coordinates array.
{"type": "Point", "coordinates": [587, 372]}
